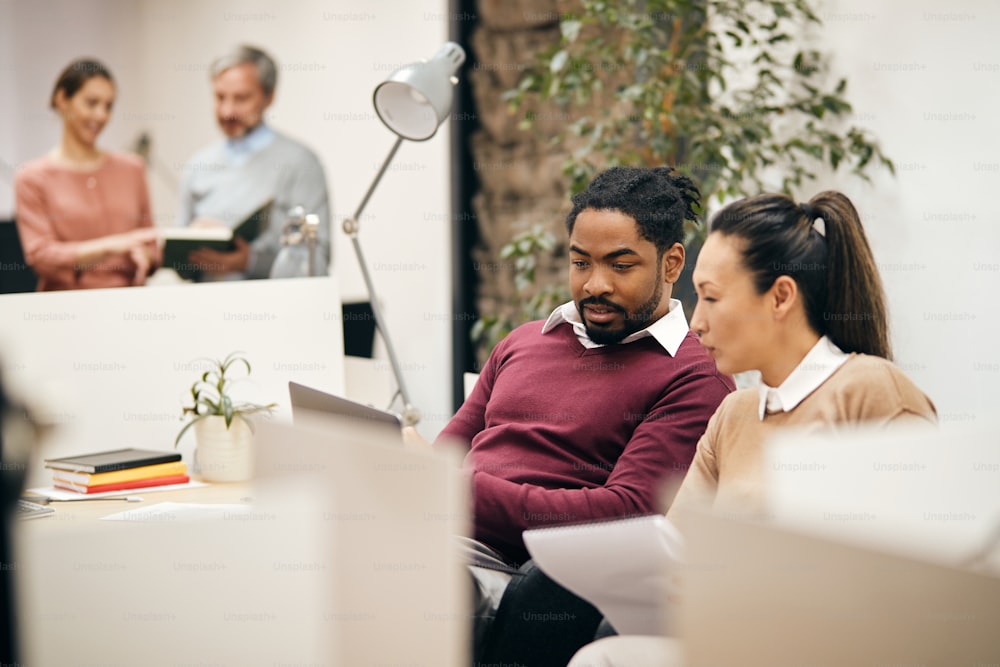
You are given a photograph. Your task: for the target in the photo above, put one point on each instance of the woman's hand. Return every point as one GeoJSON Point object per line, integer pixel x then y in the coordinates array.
{"type": "Point", "coordinates": [142, 258]}
{"type": "Point", "coordinates": [100, 249]}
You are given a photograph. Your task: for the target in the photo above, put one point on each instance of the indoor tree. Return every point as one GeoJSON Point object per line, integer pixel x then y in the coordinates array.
{"type": "Point", "coordinates": [717, 88]}
{"type": "Point", "coordinates": [723, 90]}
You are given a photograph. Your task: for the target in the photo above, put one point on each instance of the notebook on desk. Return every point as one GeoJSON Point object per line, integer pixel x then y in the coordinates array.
{"type": "Point", "coordinates": [307, 400]}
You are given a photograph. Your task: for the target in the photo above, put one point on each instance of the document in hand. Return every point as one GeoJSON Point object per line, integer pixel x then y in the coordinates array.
{"type": "Point", "coordinates": [624, 567]}
{"type": "Point", "coordinates": [180, 242]}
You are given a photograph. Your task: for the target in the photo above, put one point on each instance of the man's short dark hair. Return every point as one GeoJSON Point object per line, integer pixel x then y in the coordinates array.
{"type": "Point", "coordinates": [659, 199]}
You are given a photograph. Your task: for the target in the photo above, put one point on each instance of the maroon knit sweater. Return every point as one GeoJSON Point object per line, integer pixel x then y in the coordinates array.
{"type": "Point", "coordinates": [563, 434]}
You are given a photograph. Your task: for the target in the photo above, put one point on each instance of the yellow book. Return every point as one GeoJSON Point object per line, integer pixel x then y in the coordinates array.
{"type": "Point", "coordinates": [117, 476]}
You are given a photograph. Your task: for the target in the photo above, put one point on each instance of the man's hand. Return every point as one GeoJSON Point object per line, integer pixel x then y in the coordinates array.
{"type": "Point", "coordinates": [214, 262]}
{"type": "Point", "coordinates": [413, 440]}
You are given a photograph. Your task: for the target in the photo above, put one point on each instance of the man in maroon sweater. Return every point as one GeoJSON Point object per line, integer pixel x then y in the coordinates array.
{"type": "Point", "coordinates": [583, 416]}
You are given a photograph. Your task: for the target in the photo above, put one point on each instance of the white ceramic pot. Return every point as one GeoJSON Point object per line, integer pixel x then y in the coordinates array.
{"type": "Point", "coordinates": [224, 455]}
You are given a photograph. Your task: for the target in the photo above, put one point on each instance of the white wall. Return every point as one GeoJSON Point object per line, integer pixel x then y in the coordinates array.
{"type": "Point", "coordinates": [7, 128]}
{"type": "Point", "coordinates": [332, 54]}
{"type": "Point", "coordinates": [39, 40]}
{"type": "Point", "coordinates": [925, 78]}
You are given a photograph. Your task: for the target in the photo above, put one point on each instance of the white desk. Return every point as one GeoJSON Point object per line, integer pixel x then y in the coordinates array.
{"type": "Point", "coordinates": [347, 558]}
{"type": "Point", "coordinates": [87, 513]}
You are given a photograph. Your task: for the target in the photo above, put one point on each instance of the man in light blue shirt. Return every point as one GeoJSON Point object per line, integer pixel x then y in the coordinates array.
{"type": "Point", "coordinates": [226, 182]}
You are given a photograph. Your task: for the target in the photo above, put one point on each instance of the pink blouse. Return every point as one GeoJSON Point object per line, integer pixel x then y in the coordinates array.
{"type": "Point", "coordinates": [58, 207]}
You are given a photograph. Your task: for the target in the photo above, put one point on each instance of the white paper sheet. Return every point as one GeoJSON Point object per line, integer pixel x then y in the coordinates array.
{"type": "Point", "coordinates": [161, 512]}
{"type": "Point", "coordinates": [624, 568]}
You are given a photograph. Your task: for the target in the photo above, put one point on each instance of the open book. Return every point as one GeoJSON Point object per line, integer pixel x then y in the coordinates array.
{"type": "Point", "coordinates": [180, 242]}
{"type": "Point", "coordinates": [623, 567]}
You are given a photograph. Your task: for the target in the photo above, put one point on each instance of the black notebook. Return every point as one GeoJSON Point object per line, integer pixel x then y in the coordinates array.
{"type": "Point", "coordinates": [180, 242]}
{"type": "Point", "coordinates": [117, 459]}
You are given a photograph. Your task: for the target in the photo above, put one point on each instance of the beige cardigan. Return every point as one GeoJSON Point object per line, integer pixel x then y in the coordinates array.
{"type": "Point", "coordinates": [726, 473]}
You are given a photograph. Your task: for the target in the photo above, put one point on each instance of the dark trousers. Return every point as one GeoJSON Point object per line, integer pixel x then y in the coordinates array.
{"type": "Point", "coordinates": [537, 624]}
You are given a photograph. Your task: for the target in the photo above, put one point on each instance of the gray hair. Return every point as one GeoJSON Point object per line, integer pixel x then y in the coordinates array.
{"type": "Point", "coordinates": [267, 71]}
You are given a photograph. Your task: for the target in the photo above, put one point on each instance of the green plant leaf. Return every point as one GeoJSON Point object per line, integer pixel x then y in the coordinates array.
{"type": "Point", "coordinates": [184, 430]}
{"type": "Point", "coordinates": [227, 410]}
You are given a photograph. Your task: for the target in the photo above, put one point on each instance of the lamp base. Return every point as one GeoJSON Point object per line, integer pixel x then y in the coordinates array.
{"type": "Point", "coordinates": [410, 415]}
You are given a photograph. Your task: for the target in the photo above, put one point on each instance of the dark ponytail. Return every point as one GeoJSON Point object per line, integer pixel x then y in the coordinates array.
{"type": "Point", "coordinates": [822, 246]}
{"type": "Point", "coordinates": [75, 75]}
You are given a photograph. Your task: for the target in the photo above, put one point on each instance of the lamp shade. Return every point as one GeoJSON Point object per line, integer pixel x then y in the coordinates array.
{"type": "Point", "coordinates": [416, 98]}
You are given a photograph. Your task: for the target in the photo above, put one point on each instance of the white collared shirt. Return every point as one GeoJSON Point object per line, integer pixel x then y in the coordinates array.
{"type": "Point", "coordinates": [240, 150]}
{"type": "Point", "coordinates": [815, 368]}
{"type": "Point", "coordinates": [669, 331]}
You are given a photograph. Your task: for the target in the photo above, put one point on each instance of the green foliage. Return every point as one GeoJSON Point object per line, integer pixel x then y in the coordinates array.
{"type": "Point", "coordinates": [530, 303]}
{"type": "Point", "coordinates": [714, 87]}
{"type": "Point", "coordinates": [210, 395]}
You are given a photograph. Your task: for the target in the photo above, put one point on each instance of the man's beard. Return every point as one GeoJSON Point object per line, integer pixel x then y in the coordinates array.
{"type": "Point", "coordinates": [634, 320]}
{"type": "Point", "coordinates": [241, 127]}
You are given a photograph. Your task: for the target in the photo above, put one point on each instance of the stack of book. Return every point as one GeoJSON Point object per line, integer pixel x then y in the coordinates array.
{"type": "Point", "coordinates": [117, 470]}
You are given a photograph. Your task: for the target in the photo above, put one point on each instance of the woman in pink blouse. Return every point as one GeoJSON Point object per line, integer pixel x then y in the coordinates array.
{"type": "Point", "coordinates": [83, 213]}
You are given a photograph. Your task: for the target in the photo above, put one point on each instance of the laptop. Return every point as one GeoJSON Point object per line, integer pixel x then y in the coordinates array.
{"type": "Point", "coordinates": [29, 510]}
{"type": "Point", "coordinates": [307, 400]}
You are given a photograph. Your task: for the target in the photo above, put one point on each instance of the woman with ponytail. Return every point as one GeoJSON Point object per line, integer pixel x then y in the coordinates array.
{"type": "Point", "coordinates": [790, 290]}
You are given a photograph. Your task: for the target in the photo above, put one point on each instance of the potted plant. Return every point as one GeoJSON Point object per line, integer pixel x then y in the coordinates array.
{"type": "Point", "coordinates": [223, 431]}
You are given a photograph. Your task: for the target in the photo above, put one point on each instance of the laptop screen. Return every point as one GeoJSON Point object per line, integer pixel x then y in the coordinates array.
{"type": "Point", "coordinates": [305, 398]}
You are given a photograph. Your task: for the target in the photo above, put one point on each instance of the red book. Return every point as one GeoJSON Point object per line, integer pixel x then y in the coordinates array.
{"type": "Point", "coordinates": [121, 486]}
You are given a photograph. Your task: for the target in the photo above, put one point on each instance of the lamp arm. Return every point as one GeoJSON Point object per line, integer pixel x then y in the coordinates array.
{"type": "Point", "coordinates": [411, 415]}
{"type": "Point", "coordinates": [356, 218]}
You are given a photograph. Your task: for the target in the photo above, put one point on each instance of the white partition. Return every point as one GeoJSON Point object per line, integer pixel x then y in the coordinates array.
{"type": "Point", "coordinates": [400, 587]}
{"type": "Point", "coordinates": [112, 368]}
{"type": "Point", "coordinates": [880, 548]}
{"type": "Point", "coordinates": [925, 493]}
{"type": "Point", "coordinates": [760, 595]}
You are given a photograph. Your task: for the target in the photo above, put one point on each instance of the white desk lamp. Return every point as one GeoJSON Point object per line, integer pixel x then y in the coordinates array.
{"type": "Point", "coordinates": [412, 102]}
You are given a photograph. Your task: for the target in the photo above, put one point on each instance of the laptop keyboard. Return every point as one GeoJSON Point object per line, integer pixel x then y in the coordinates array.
{"type": "Point", "coordinates": [29, 510]}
